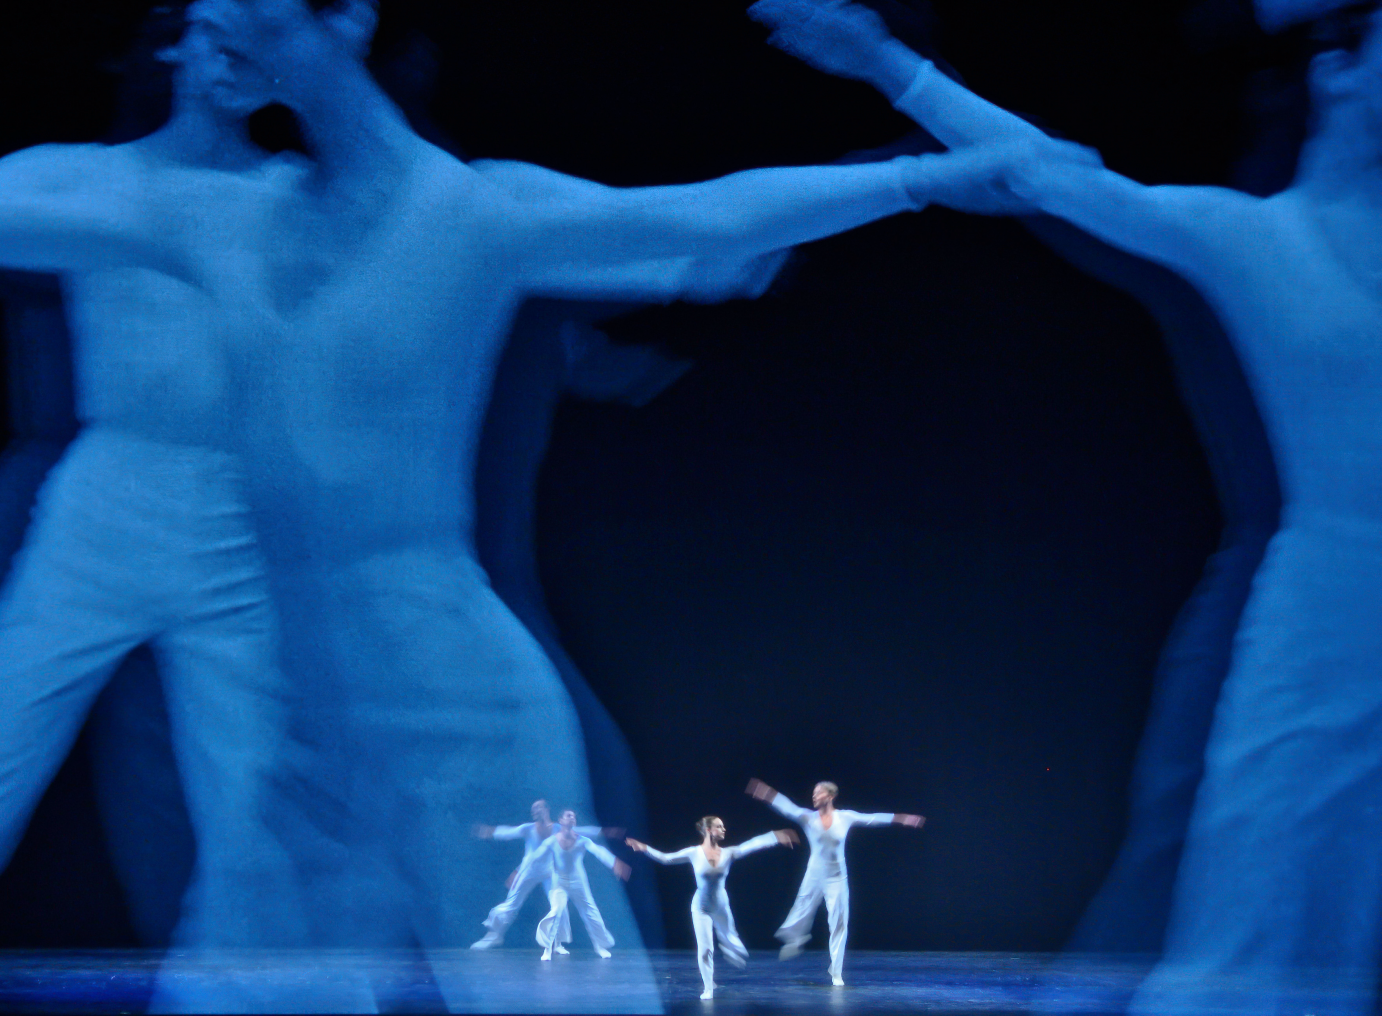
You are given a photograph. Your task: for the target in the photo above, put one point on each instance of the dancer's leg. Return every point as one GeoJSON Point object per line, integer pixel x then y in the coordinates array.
{"type": "Point", "coordinates": [503, 915]}
{"type": "Point", "coordinates": [584, 903]}
{"type": "Point", "coordinates": [78, 599]}
{"type": "Point", "coordinates": [796, 929]}
{"type": "Point", "coordinates": [730, 942]}
{"type": "Point", "coordinates": [1280, 893]}
{"type": "Point", "coordinates": [837, 913]}
{"type": "Point", "coordinates": [704, 926]}
{"type": "Point", "coordinates": [548, 926]}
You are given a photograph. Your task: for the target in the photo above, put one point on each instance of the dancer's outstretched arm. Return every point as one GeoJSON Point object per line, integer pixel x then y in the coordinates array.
{"type": "Point", "coordinates": [850, 40]}
{"type": "Point", "coordinates": [503, 832]}
{"type": "Point", "coordinates": [621, 870]}
{"type": "Point", "coordinates": [63, 209]}
{"type": "Point", "coordinates": [887, 818]}
{"type": "Point", "coordinates": [778, 837]}
{"type": "Point", "coordinates": [558, 245]}
{"type": "Point", "coordinates": [1195, 230]}
{"type": "Point", "coordinates": [680, 857]}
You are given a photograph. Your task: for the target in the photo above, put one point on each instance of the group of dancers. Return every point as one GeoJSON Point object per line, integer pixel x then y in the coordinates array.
{"type": "Point", "coordinates": [554, 857]}
{"type": "Point", "coordinates": [283, 365]}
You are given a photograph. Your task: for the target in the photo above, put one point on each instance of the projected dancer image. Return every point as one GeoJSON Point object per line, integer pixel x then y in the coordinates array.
{"type": "Point", "coordinates": [417, 697]}
{"type": "Point", "coordinates": [711, 917]}
{"type": "Point", "coordinates": [533, 834]}
{"type": "Point", "coordinates": [1279, 891]}
{"type": "Point", "coordinates": [1130, 912]}
{"type": "Point", "coordinates": [140, 533]}
{"type": "Point", "coordinates": [827, 877]}
{"type": "Point", "coordinates": [563, 853]}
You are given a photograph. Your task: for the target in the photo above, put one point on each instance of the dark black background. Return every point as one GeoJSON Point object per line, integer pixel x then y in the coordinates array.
{"type": "Point", "coordinates": [917, 524]}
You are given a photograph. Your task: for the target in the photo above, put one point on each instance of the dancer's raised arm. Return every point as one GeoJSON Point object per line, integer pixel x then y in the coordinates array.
{"type": "Point", "coordinates": [1196, 230]}
{"type": "Point", "coordinates": [760, 791]}
{"type": "Point", "coordinates": [778, 837]}
{"type": "Point", "coordinates": [683, 856]}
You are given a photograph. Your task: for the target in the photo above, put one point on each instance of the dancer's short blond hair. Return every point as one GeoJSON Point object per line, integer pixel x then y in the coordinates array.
{"type": "Point", "coordinates": [830, 788]}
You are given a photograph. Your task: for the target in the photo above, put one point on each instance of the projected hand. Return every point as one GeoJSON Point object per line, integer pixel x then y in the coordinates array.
{"type": "Point", "coordinates": [787, 837]}
{"type": "Point", "coordinates": [612, 832]}
{"type": "Point", "coordinates": [637, 845]}
{"type": "Point", "coordinates": [760, 791]}
{"type": "Point", "coordinates": [997, 179]}
{"type": "Point", "coordinates": [621, 871]}
{"type": "Point", "coordinates": [484, 832]}
{"type": "Point", "coordinates": [834, 36]}
{"type": "Point", "coordinates": [910, 821]}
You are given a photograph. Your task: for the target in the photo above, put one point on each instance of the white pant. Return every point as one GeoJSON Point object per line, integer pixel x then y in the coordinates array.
{"type": "Point", "coordinates": [577, 891]}
{"type": "Point", "coordinates": [136, 541]}
{"type": "Point", "coordinates": [504, 914]}
{"type": "Point", "coordinates": [797, 928]}
{"type": "Point", "coordinates": [710, 921]}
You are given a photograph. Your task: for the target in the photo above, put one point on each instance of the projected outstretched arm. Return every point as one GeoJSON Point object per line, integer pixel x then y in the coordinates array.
{"type": "Point", "coordinates": [1189, 229]}
{"type": "Point", "coordinates": [75, 208]}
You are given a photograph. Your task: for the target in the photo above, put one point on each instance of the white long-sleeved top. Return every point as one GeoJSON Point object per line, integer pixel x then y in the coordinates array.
{"type": "Point", "coordinates": [568, 864]}
{"type": "Point", "coordinates": [827, 845]}
{"type": "Point", "coordinates": [532, 839]}
{"type": "Point", "coordinates": [710, 878]}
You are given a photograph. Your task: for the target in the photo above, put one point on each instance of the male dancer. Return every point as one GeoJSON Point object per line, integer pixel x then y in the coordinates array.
{"type": "Point", "coordinates": [533, 834]}
{"type": "Point", "coordinates": [563, 853]}
{"type": "Point", "coordinates": [826, 874]}
{"type": "Point", "coordinates": [1130, 913]}
{"type": "Point", "coordinates": [1278, 898]}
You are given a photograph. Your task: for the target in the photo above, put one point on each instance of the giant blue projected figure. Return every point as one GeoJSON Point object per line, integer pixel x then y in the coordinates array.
{"type": "Point", "coordinates": [1130, 913]}
{"type": "Point", "coordinates": [374, 301]}
{"type": "Point", "coordinates": [1278, 897]}
{"type": "Point", "coordinates": [140, 534]}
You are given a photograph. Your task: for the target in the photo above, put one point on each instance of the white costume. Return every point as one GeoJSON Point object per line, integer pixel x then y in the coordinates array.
{"type": "Point", "coordinates": [826, 876]}
{"type": "Point", "coordinates": [527, 878]}
{"type": "Point", "coordinates": [710, 911]}
{"type": "Point", "coordinates": [570, 884]}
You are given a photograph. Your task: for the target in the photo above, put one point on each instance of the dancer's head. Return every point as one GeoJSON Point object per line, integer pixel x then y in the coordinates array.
{"type": "Point", "coordinates": [1346, 78]}
{"type": "Point", "coordinates": [568, 819]}
{"type": "Point", "coordinates": [541, 813]}
{"type": "Point", "coordinates": [712, 827]}
{"type": "Point", "coordinates": [823, 794]}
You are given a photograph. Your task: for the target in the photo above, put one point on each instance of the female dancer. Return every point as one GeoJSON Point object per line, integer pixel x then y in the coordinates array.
{"type": "Point", "coordinates": [565, 851]}
{"type": "Point", "coordinates": [826, 875]}
{"type": "Point", "coordinates": [710, 906]}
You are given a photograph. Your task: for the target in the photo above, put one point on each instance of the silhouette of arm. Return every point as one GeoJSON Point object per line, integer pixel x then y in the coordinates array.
{"type": "Point", "coordinates": [63, 209]}
{"type": "Point", "coordinates": [511, 832]}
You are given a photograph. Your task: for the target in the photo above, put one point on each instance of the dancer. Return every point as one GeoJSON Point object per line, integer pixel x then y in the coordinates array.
{"type": "Point", "coordinates": [1131, 911]}
{"type": "Point", "coordinates": [564, 854]}
{"type": "Point", "coordinates": [710, 913]}
{"type": "Point", "coordinates": [1278, 897]}
{"type": "Point", "coordinates": [826, 875]}
{"type": "Point", "coordinates": [533, 834]}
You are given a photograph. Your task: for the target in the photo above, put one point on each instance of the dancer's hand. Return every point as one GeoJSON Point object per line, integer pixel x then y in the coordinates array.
{"type": "Point", "coordinates": [911, 821]}
{"type": "Point", "coordinates": [760, 791]}
{"type": "Point", "coordinates": [834, 36]}
{"type": "Point", "coordinates": [787, 837]}
{"type": "Point", "coordinates": [637, 845]}
{"type": "Point", "coordinates": [621, 870]}
{"type": "Point", "coordinates": [484, 832]}
{"type": "Point", "coordinates": [995, 179]}
{"type": "Point", "coordinates": [612, 833]}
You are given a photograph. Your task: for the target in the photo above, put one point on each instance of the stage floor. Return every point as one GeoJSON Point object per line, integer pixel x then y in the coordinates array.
{"type": "Point", "coordinates": [514, 980]}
